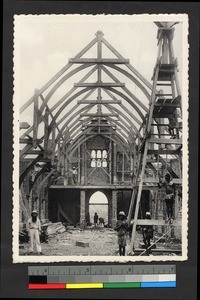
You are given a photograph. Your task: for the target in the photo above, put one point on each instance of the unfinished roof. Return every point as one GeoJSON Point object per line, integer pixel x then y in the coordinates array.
{"type": "Point", "coordinates": [101, 102]}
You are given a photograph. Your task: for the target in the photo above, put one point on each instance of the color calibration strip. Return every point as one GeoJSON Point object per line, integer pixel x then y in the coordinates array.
{"type": "Point", "coordinates": [101, 277]}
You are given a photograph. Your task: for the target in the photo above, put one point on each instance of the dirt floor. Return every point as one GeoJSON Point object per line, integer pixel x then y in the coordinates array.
{"type": "Point", "coordinates": [101, 241]}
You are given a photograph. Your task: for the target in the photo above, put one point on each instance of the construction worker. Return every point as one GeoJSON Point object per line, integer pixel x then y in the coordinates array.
{"type": "Point", "coordinates": [169, 186]}
{"type": "Point", "coordinates": [147, 232]}
{"type": "Point", "coordinates": [74, 175]}
{"type": "Point", "coordinates": [34, 230]}
{"type": "Point", "coordinates": [96, 218]}
{"type": "Point", "coordinates": [122, 230]}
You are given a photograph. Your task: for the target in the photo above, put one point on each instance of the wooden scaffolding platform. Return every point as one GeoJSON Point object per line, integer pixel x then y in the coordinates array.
{"type": "Point", "coordinates": [162, 134]}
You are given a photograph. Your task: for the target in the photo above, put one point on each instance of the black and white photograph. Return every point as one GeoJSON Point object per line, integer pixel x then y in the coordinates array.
{"type": "Point", "coordinates": [100, 138]}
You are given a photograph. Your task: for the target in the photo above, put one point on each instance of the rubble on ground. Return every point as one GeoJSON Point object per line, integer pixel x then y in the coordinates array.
{"type": "Point", "coordinates": [89, 242]}
{"type": "Point", "coordinates": [55, 228]}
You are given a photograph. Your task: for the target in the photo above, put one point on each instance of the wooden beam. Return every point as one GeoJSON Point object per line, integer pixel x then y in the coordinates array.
{"type": "Point", "coordinates": [162, 115]}
{"type": "Point", "coordinates": [102, 84]}
{"type": "Point", "coordinates": [156, 180]}
{"type": "Point", "coordinates": [55, 77]}
{"type": "Point", "coordinates": [35, 119]}
{"type": "Point", "coordinates": [99, 125]}
{"type": "Point", "coordinates": [176, 105]}
{"type": "Point", "coordinates": [158, 222]}
{"type": "Point", "coordinates": [165, 141]}
{"type": "Point", "coordinates": [23, 175]}
{"type": "Point", "coordinates": [23, 125]}
{"type": "Point", "coordinates": [128, 92]}
{"type": "Point", "coordinates": [163, 152]}
{"type": "Point", "coordinates": [101, 133]}
{"type": "Point", "coordinates": [46, 132]}
{"type": "Point", "coordinates": [112, 49]}
{"type": "Point", "coordinates": [159, 250]}
{"type": "Point", "coordinates": [99, 102]}
{"type": "Point", "coordinates": [124, 186]}
{"type": "Point", "coordinates": [31, 152]}
{"type": "Point", "coordinates": [100, 115]}
{"type": "Point", "coordinates": [30, 141]}
{"type": "Point", "coordinates": [98, 60]}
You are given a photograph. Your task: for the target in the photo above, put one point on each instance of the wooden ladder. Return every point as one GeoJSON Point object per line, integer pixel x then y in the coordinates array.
{"type": "Point", "coordinates": [163, 130]}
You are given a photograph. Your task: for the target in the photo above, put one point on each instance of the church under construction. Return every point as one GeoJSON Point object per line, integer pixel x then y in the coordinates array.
{"type": "Point", "coordinates": [101, 137]}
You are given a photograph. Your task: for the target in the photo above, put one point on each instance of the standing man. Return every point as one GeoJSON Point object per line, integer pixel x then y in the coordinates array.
{"type": "Point", "coordinates": [74, 175]}
{"type": "Point", "coordinates": [96, 217]}
{"type": "Point", "coordinates": [34, 229]}
{"type": "Point", "coordinates": [169, 186]}
{"type": "Point", "coordinates": [147, 232]}
{"type": "Point", "coordinates": [122, 230]}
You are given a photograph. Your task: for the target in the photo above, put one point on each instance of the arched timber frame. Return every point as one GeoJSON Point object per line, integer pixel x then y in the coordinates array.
{"type": "Point", "coordinates": [68, 120]}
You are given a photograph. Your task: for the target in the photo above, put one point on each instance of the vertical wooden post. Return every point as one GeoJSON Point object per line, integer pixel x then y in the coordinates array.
{"type": "Point", "coordinates": [66, 175]}
{"type": "Point", "coordinates": [165, 49]}
{"type": "Point", "coordinates": [99, 35]}
{"type": "Point", "coordinates": [82, 165]}
{"type": "Point", "coordinates": [132, 167]}
{"type": "Point", "coordinates": [35, 119]}
{"type": "Point", "coordinates": [82, 209]}
{"type": "Point", "coordinates": [62, 162]}
{"type": "Point", "coordinates": [79, 166]}
{"type": "Point", "coordinates": [123, 157]}
{"type": "Point", "coordinates": [53, 144]}
{"type": "Point", "coordinates": [114, 163]}
{"type": "Point", "coordinates": [46, 133]}
{"type": "Point", "coordinates": [58, 163]}
{"type": "Point", "coordinates": [114, 208]}
{"type": "Point", "coordinates": [110, 161]}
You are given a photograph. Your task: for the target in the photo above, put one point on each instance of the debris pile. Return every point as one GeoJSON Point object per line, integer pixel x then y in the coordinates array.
{"type": "Point", "coordinates": [55, 228]}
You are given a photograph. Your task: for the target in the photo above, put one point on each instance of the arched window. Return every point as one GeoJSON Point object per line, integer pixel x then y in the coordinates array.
{"type": "Point", "coordinates": [99, 159]}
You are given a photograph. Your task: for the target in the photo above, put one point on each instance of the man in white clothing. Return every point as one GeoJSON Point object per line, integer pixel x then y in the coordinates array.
{"type": "Point", "coordinates": [34, 229]}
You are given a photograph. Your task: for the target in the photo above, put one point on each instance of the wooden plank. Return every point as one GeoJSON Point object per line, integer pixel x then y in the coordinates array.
{"type": "Point", "coordinates": [99, 102]}
{"type": "Point", "coordinates": [161, 115]}
{"type": "Point", "coordinates": [96, 84]}
{"type": "Point", "coordinates": [165, 141]}
{"type": "Point", "coordinates": [100, 115]}
{"type": "Point", "coordinates": [99, 125]}
{"type": "Point", "coordinates": [164, 104]}
{"type": "Point", "coordinates": [31, 152]}
{"type": "Point", "coordinates": [156, 180]}
{"type": "Point", "coordinates": [98, 60]}
{"type": "Point", "coordinates": [163, 152]}
{"type": "Point", "coordinates": [83, 186]}
{"type": "Point", "coordinates": [35, 119]}
{"type": "Point", "coordinates": [158, 222]}
{"type": "Point", "coordinates": [30, 141]}
{"type": "Point", "coordinates": [160, 250]}
{"type": "Point", "coordinates": [99, 133]}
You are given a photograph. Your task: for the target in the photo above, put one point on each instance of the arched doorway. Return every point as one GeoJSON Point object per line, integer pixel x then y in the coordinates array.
{"type": "Point", "coordinates": [98, 203]}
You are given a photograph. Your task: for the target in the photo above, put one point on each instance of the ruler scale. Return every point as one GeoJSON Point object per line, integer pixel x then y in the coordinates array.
{"type": "Point", "coordinates": [100, 276]}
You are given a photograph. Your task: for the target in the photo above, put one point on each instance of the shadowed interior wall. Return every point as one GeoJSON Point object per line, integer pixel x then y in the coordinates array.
{"type": "Point", "coordinates": [68, 201]}
{"type": "Point", "coordinates": [123, 202]}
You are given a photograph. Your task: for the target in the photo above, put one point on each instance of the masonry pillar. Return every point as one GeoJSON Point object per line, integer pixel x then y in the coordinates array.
{"type": "Point", "coordinates": [82, 209]}
{"type": "Point", "coordinates": [114, 208]}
